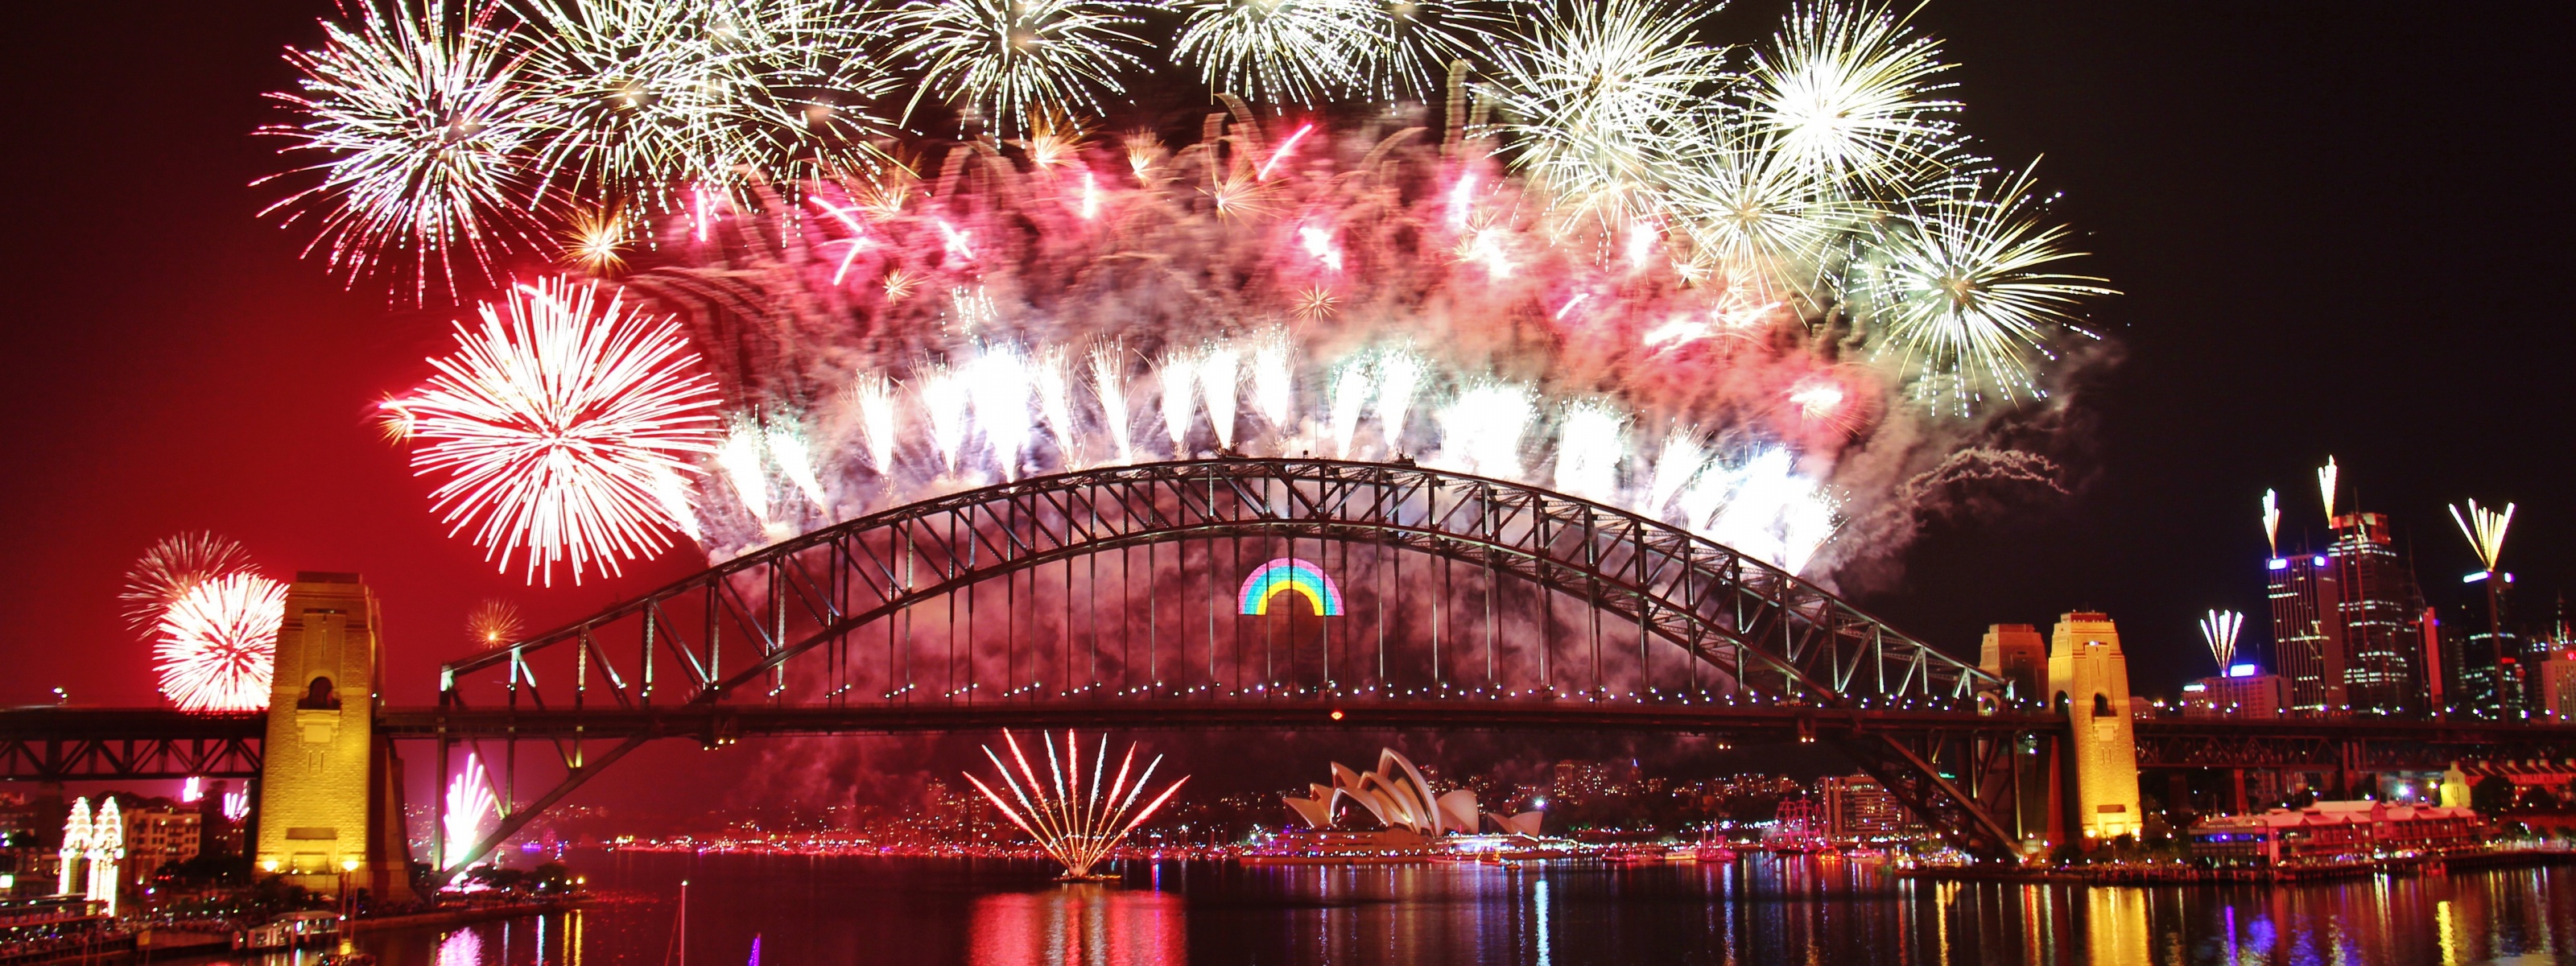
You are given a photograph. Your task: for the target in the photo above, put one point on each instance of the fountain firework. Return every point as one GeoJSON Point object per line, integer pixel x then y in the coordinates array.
{"type": "Point", "coordinates": [1076, 822]}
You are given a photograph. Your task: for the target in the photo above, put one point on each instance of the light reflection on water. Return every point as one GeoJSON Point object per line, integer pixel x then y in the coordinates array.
{"type": "Point", "coordinates": [1755, 912]}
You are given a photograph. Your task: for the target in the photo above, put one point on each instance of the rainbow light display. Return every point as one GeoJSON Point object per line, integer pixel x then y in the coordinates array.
{"type": "Point", "coordinates": [1291, 575]}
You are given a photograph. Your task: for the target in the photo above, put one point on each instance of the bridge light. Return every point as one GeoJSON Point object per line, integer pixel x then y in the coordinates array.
{"type": "Point", "coordinates": [1337, 714]}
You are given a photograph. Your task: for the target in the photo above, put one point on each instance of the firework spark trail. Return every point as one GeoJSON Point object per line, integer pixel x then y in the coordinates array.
{"type": "Point", "coordinates": [1109, 385]}
{"type": "Point", "coordinates": [873, 396]}
{"type": "Point", "coordinates": [2326, 477]}
{"type": "Point", "coordinates": [2485, 531]}
{"type": "Point", "coordinates": [997, 385]}
{"type": "Point", "coordinates": [944, 403]}
{"type": "Point", "coordinates": [1220, 380]}
{"type": "Point", "coordinates": [1399, 376]}
{"type": "Point", "coordinates": [1077, 827]}
{"type": "Point", "coordinates": [784, 438]}
{"type": "Point", "coordinates": [2272, 522]}
{"type": "Point", "coordinates": [1350, 397]}
{"type": "Point", "coordinates": [1590, 446]}
{"type": "Point", "coordinates": [1481, 432]}
{"type": "Point", "coordinates": [1274, 390]}
{"type": "Point", "coordinates": [1675, 467]}
{"type": "Point", "coordinates": [739, 457]}
{"type": "Point", "coordinates": [1178, 376]}
{"type": "Point", "coordinates": [2220, 628]}
{"type": "Point", "coordinates": [1055, 403]}
{"type": "Point", "coordinates": [672, 494]}
{"type": "Point", "coordinates": [172, 567]}
{"type": "Point", "coordinates": [218, 643]}
{"type": "Point", "coordinates": [494, 622]}
{"type": "Point", "coordinates": [553, 420]}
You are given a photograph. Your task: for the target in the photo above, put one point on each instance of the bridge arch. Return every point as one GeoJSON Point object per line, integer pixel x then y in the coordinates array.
{"type": "Point", "coordinates": [725, 638]}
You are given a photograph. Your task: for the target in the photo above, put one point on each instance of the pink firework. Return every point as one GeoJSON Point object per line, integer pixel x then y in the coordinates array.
{"type": "Point", "coordinates": [173, 567]}
{"type": "Point", "coordinates": [218, 643]}
{"type": "Point", "coordinates": [554, 421]}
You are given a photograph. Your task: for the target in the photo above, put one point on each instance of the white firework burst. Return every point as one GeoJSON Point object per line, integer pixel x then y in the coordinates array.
{"type": "Point", "coordinates": [217, 648]}
{"type": "Point", "coordinates": [1596, 95]}
{"type": "Point", "coordinates": [1016, 60]}
{"type": "Point", "coordinates": [1758, 212]}
{"type": "Point", "coordinates": [1962, 294]}
{"type": "Point", "coordinates": [1282, 51]}
{"type": "Point", "coordinates": [1073, 817]}
{"type": "Point", "coordinates": [172, 567]}
{"type": "Point", "coordinates": [553, 422]}
{"type": "Point", "coordinates": [416, 124]}
{"type": "Point", "coordinates": [1847, 92]}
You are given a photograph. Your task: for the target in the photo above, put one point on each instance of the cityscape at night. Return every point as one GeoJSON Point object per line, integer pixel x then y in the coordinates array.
{"type": "Point", "coordinates": [1287, 481]}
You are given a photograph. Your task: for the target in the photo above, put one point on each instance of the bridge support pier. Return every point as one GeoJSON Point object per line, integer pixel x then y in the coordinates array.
{"type": "Point", "coordinates": [330, 810]}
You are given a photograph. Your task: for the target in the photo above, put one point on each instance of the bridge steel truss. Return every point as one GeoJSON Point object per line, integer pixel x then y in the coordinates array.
{"type": "Point", "coordinates": [2347, 746]}
{"type": "Point", "coordinates": [82, 744]}
{"type": "Point", "coordinates": [724, 638]}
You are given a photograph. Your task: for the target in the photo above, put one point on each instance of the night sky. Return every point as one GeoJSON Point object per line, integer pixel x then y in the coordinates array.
{"type": "Point", "coordinates": [2340, 228]}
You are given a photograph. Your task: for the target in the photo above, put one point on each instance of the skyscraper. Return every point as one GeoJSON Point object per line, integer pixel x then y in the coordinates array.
{"type": "Point", "coordinates": [2347, 624]}
{"type": "Point", "coordinates": [2379, 606]}
{"type": "Point", "coordinates": [2307, 630]}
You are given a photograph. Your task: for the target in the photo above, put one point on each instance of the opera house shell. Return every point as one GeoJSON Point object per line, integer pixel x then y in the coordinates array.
{"type": "Point", "coordinates": [1398, 798]}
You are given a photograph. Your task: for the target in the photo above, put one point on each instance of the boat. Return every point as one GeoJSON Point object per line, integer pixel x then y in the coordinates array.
{"type": "Point", "coordinates": [290, 931]}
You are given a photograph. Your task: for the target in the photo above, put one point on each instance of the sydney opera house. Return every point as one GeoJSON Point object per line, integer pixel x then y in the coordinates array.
{"type": "Point", "coordinates": [1399, 800]}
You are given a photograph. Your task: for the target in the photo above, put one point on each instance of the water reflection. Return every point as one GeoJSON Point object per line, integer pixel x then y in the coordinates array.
{"type": "Point", "coordinates": [1086, 924]}
{"type": "Point", "coordinates": [1756, 912]}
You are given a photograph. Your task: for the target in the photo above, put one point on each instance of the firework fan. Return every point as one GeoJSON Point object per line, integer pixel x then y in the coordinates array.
{"type": "Point", "coordinates": [1068, 812]}
{"type": "Point", "coordinates": [217, 646]}
{"type": "Point", "coordinates": [560, 427]}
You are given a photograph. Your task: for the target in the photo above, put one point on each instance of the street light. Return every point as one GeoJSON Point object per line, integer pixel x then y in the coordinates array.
{"type": "Point", "coordinates": [348, 904]}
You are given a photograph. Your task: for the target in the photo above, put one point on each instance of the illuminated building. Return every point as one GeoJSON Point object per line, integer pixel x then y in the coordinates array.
{"type": "Point", "coordinates": [2089, 679]}
{"type": "Point", "coordinates": [2494, 681]}
{"type": "Point", "coordinates": [1857, 806]}
{"type": "Point", "coordinates": [2334, 833]}
{"type": "Point", "coordinates": [1398, 797]}
{"type": "Point", "coordinates": [2558, 684]}
{"type": "Point", "coordinates": [2380, 607]}
{"type": "Point", "coordinates": [326, 764]}
{"type": "Point", "coordinates": [2307, 630]}
{"type": "Point", "coordinates": [2243, 692]}
{"type": "Point", "coordinates": [2018, 654]}
{"type": "Point", "coordinates": [2347, 626]}
{"type": "Point", "coordinates": [156, 834]}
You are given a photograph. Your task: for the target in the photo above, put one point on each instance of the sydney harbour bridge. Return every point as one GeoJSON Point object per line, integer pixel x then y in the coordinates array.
{"type": "Point", "coordinates": [1260, 594]}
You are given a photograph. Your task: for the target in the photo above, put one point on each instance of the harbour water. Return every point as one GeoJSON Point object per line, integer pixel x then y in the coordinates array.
{"type": "Point", "coordinates": [825, 911]}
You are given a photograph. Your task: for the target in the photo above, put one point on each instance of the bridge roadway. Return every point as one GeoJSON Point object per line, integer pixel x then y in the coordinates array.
{"type": "Point", "coordinates": [59, 744]}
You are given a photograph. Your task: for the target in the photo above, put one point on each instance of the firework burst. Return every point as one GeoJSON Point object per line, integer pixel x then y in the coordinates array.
{"type": "Point", "coordinates": [421, 130]}
{"type": "Point", "coordinates": [1283, 51]}
{"type": "Point", "coordinates": [1012, 60]}
{"type": "Point", "coordinates": [1964, 293]}
{"type": "Point", "coordinates": [172, 567]}
{"type": "Point", "coordinates": [2484, 529]}
{"type": "Point", "coordinates": [218, 643]}
{"type": "Point", "coordinates": [1845, 90]}
{"type": "Point", "coordinates": [494, 622]}
{"type": "Point", "coordinates": [1596, 93]}
{"type": "Point", "coordinates": [1075, 819]}
{"type": "Point", "coordinates": [552, 423]}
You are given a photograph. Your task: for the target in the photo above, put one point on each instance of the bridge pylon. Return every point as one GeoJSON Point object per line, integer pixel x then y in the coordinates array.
{"type": "Point", "coordinates": [2088, 680]}
{"type": "Point", "coordinates": [330, 811]}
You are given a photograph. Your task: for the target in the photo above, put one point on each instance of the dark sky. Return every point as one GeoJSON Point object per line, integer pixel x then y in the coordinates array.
{"type": "Point", "coordinates": [2341, 228]}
